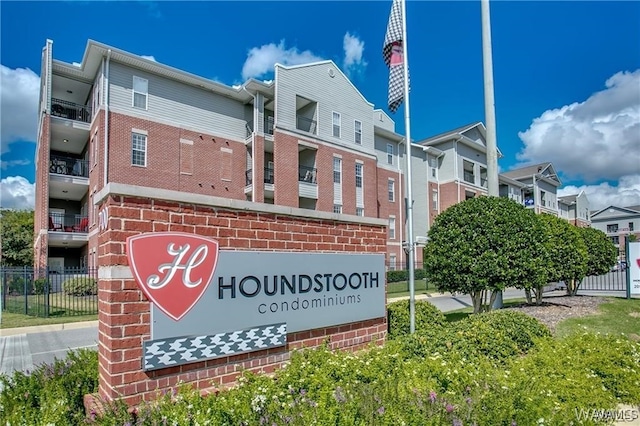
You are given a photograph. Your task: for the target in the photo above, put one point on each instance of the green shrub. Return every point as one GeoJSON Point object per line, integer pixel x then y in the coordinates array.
{"type": "Point", "coordinates": [52, 393]}
{"type": "Point", "coordinates": [39, 285]}
{"type": "Point", "coordinates": [426, 316]}
{"type": "Point", "coordinates": [403, 275]}
{"type": "Point", "coordinates": [80, 286]}
{"type": "Point", "coordinates": [519, 327]}
{"type": "Point", "coordinates": [15, 285]}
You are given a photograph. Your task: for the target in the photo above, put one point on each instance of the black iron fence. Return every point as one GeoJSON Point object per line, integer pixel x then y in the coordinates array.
{"type": "Point", "coordinates": [49, 292]}
{"type": "Point", "coordinates": [70, 110]}
{"type": "Point", "coordinates": [62, 222]}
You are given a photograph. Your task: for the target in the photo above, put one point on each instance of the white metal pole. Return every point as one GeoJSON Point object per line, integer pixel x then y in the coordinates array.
{"type": "Point", "coordinates": [490, 112]}
{"type": "Point", "coordinates": [409, 200]}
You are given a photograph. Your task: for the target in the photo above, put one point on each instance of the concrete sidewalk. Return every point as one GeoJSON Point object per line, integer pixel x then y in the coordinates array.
{"type": "Point", "coordinates": [47, 328]}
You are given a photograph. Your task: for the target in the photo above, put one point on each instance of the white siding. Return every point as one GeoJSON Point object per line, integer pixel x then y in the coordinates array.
{"type": "Point", "coordinates": [380, 147]}
{"type": "Point", "coordinates": [170, 101]}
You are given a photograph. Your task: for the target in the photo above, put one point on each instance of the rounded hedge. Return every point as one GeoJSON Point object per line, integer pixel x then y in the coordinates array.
{"type": "Point", "coordinates": [81, 286]}
{"type": "Point", "coordinates": [426, 316]}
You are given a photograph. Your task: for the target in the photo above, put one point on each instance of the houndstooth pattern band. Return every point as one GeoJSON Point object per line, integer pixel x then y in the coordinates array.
{"type": "Point", "coordinates": [162, 353]}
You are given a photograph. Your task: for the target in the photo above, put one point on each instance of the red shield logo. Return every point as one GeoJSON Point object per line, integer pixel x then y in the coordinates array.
{"type": "Point", "coordinates": [173, 269]}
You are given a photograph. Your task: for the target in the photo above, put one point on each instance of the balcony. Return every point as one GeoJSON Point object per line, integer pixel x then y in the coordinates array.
{"type": "Point", "coordinates": [70, 110]}
{"type": "Point", "coordinates": [68, 166]}
{"type": "Point", "coordinates": [305, 124]}
{"type": "Point", "coordinates": [60, 222]}
{"type": "Point", "coordinates": [307, 174]}
{"type": "Point", "coordinates": [268, 176]}
{"type": "Point", "coordinates": [268, 124]}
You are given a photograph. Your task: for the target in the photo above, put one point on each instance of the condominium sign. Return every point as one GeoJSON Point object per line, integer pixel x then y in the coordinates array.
{"type": "Point", "coordinates": [208, 303]}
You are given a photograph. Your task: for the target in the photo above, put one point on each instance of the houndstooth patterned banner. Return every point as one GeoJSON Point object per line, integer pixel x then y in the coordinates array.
{"type": "Point", "coordinates": [162, 353]}
{"type": "Point", "coordinates": [393, 53]}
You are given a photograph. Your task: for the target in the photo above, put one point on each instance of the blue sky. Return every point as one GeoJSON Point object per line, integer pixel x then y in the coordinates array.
{"type": "Point", "coordinates": [567, 74]}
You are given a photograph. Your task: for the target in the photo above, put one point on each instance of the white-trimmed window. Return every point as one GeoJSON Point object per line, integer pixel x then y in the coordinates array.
{"type": "Point", "coordinates": [358, 175]}
{"type": "Point", "coordinates": [359, 211]}
{"type": "Point", "coordinates": [434, 200]}
{"type": "Point", "coordinates": [337, 170]}
{"type": "Point", "coordinates": [392, 262]}
{"type": "Point", "coordinates": [357, 128]}
{"type": "Point", "coordinates": [389, 153]}
{"type": "Point", "coordinates": [336, 124]}
{"type": "Point", "coordinates": [138, 149]}
{"type": "Point", "coordinates": [392, 227]}
{"type": "Point", "coordinates": [140, 92]}
{"type": "Point", "coordinates": [391, 185]}
{"type": "Point", "coordinates": [337, 208]}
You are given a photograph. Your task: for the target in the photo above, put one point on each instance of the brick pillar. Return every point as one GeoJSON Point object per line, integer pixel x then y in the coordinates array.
{"type": "Point", "coordinates": [285, 160]}
{"type": "Point", "coordinates": [258, 164]}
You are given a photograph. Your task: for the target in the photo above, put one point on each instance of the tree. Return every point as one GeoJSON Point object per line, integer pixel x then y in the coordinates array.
{"type": "Point", "coordinates": [565, 254]}
{"type": "Point", "coordinates": [16, 229]}
{"type": "Point", "coordinates": [482, 245]}
{"type": "Point", "coordinates": [601, 252]}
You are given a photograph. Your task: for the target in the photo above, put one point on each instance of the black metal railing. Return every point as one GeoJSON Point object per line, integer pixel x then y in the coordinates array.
{"type": "Point", "coordinates": [268, 175]}
{"type": "Point", "coordinates": [268, 125]}
{"type": "Point", "coordinates": [68, 166]}
{"type": "Point", "coordinates": [49, 292]}
{"type": "Point", "coordinates": [70, 110]}
{"type": "Point", "coordinates": [307, 174]}
{"type": "Point", "coordinates": [60, 222]}
{"type": "Point", "coordinates": [305, 124]}
{"type": "Point", "coordinates": [469, 177]}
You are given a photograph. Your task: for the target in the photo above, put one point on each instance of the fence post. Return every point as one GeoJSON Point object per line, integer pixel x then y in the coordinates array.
{"type": "Point", "coordinates": [46, 292]}
{"type": "Point", "coordinates": [627, 270]}
{"type": "Point", "coordinates": [26, 300]}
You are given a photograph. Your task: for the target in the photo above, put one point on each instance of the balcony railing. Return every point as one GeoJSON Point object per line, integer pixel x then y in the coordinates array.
{"type": "Point", "coordinates": [268, 175]}
{"type": "Point", "coordinates": [61, 222]}
{"type": "Point", "coordinates": [305, 124]}
{"type": "Point", "coordinates": [66, 109]}
{"type": "Point", "coordinates": [268, 124]}
{"type": "Point", "coordinates": [469, 177]}
{"type": "Point", "coordinates": [307, 174]}
{"type": "Point", "coordinates": [68, 166]}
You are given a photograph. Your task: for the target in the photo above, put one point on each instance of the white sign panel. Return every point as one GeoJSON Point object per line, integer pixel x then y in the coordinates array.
{"type": "Point", "coordinates": [633, 263]}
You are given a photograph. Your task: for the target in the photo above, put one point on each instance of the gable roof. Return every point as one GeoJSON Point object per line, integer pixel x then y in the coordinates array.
{"type": "Point", "coordinates": [325, 62]}
{"type": "Point", "coordinates": [458, 134]}
{"type": "Point", "coordinates": [627, 210]}
{"type": "Point", "coordinates": [568, 199]}
{"type": "Point", "coordinates": [535, 170]}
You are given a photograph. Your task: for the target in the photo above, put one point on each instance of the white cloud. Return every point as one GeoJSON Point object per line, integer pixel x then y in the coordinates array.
{"type": "Point", "coordinates": [353, 51]}
{"type": "Point", "coordinates": [595, 140]}
{"type": "Point", "coordinates": [626, 193]}
{"type": "Point", "coordinates": [76, 64]}
{"type": "Point", "coordinates": [12, 163]}
{"type": "Point", "coordinates": [237, 86]}
{"type": "Point", "coordinates": [260, 60]}
{"type": "Point", "coordinates": [19, 94]}
{"type": "Point", "coordinates": [149, 57]}
{"type": "Point", "coordinates": [17, 193]}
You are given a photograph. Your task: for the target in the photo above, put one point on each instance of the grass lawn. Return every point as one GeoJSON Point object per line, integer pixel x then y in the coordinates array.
{"type": "Point", "coordinates": [60, 304]}
{"type": "Point", "coordinates": [459, 314]}
{"type": "Point", "coordinates": [401, 288]}
{"type": "Point", "coordinates": [615, 316]}
{"type": "Point", "coordinates": [10, 320]}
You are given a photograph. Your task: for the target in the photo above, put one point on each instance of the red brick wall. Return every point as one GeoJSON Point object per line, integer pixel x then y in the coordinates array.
{"type": "Point", "coordinates": [285, 163]}
{"type": "Point", "coordinates": [125, 313]}
{"type": "Point", "coordinates": [41, 206]}
{"type": "Point", "coordinates": [163, 154]}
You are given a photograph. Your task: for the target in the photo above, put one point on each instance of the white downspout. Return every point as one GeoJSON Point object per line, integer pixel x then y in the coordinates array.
{"type": "Point", "coordinates": [106, 122]}
{"type": "Point", "coordinates": [253, 145]}
{"type": "Point", "coordinates": [400, 204]}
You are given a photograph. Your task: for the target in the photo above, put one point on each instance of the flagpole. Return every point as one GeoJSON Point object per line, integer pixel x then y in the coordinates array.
{"type": "Point", "coordinates": [490, 113]}
{"type": "Point", "coordinates": [409, 200]}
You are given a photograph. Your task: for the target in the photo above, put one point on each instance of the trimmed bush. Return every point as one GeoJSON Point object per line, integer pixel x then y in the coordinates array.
{"type": "Point", "coordinates": [403, 275]}
{"type": "Point", "coordinates": [52, 393]}
{"type": "Point", "coordinates": [39, 285]}
{"type": "Point", "coordinates": [427, 316]}
{"type": "Point", "coordinates": [80, 286]}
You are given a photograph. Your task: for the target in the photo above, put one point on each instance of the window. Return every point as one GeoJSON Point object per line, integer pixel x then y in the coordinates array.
{"type": "Point", "coordinates": [392, 262]}
{"type": "Point", "coordinates": [389, 153]}
{"type": "Point", "coordinates": [630, 226]}
{"type": "Point", "coordinates": [358, 175]}
{"type": "Point", "coordinates": [140, 92]}
{"type": "Point", "coordinates": [94, 145]}
{"type": "Point", "coordinates": [433, 165]}
{"type": "Point", "coordinates": [392, 190]}
{"type": "Point", "coordinates": [337, 208]}
{"type": "Point", "coordinates": [337, 170]}
{"type": "Point", "coordinates": [358, 131]}
{"type": "Point", "coordinates": [434, 200]}
{"type": "Point", "coordinates": [359, 211]}
{"type": "Point", "coordinates": [543, 198]}
{"type": "Point", "coordinates": [615, 240]}
{"type": "Point", "coordinates": [612, 228]}
{"type": "Point", "coordinates": [138, 149]}
{"type": "Point", "coordinates": [392, 228]}
{"type": "Point", "coordinates": [336, 125]}
{"type": "Point", "coordinates": [468, 174]}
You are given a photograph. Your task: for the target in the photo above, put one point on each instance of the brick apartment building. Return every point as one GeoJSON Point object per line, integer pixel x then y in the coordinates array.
{"type": "Point", "coordinates": [308, 139]}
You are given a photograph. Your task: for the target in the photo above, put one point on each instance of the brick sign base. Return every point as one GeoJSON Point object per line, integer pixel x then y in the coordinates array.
{"type": "Point", "coordinates": [128, 366]}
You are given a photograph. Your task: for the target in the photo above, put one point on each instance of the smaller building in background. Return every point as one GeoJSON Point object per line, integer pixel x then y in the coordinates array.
{"type": "Point", "coordinates": [575, 209]}
{"type": "Point", "coordinates": [619, 223]}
